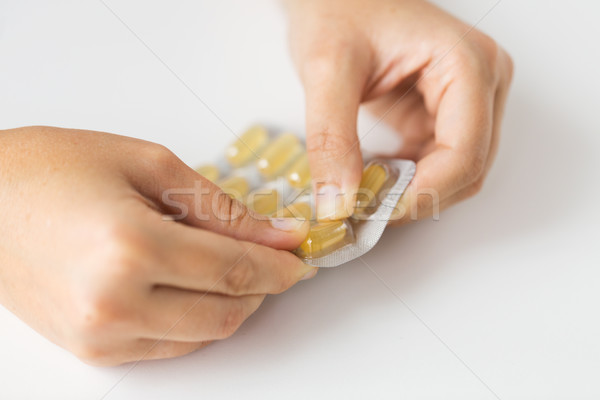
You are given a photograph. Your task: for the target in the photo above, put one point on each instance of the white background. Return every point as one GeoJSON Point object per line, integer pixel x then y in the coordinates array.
{"type": "Point", "coordinates": [501, 295]}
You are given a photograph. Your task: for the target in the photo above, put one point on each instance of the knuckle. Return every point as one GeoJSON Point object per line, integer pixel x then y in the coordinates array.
{"type": "Point", "coordinates": [232, 320]}
{"type": "Point", "coordinates": [230, 210]}
{"type": "Point", "coordinates": [330, 145]}
{"type": "Point", "coordinates": [95, 354]}
{"type": "Point", "coordinates": [487, 45]}
{"type": "Point", "coordinates": [475, 188]}
{"type": "Point", "coordinates": [223, 205]}
{"type": "Point", "coordinates": [474, 168]}
{"type": "Point", "coordinates": [125, 251]}
{"type": "Point", "coordinates": [287, 276]}
{"type": "Point", "coordinates": [96, 315]}
{"type": "Point", "coordinates": [319, 62]}
{"type": "Point", "coordinates": [89, 353]}
{"type": "Point", "coordinates": [284, 283]}
{"type": "Point", "coordinates": [477, 57]}
{"type": "Point", "coordinates": [509, 65]}
{"type": "Point", "coordinates": [97, 306]}
{"type": "Point", "coordinates": [159, 154]}
{"type": "Point", "coordinates": [95, 318]}
{"type": "Point", "coordinates": [326, 53]}
{"type": "Point", "coordinates": [238, 281]}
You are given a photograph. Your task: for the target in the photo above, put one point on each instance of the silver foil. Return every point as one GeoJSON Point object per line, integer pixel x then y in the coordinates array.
{"type": "Point", "coordinates": [368, 231]}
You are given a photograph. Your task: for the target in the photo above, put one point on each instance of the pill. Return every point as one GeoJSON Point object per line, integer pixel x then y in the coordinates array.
{"type": "Point", "coordinates": [300, 210]}
{"type": "Point", "coordinates": [279, 154]}
{"type": "Point", "coordinates": [264, 201]}
{"type": "Point", "coordinates": [298, 175]}
{"type": "Point", "coordinates": [247, 147]}
{"type": "Point", "coordinates": [209, 171]}
{"type": "Point", "coordinates": [235, 186]}
{"type": "Point", "coordinates": [323, 236]}
{"type": "Point", "coordinates": [373, 178]}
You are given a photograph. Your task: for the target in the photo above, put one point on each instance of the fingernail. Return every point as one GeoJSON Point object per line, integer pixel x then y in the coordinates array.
{"type": "Point", "coordinates": [329, 202]}
{"type": "Point", "coordinates": [310, 274]}
{"type": "Point", "coordinates": [287, 224]}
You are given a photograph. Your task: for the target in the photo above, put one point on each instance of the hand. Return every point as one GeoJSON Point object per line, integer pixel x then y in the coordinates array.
{"type": "Point", "coordinates": [439, 83]}
{"type": "Point", "coordinates": [87, 259]}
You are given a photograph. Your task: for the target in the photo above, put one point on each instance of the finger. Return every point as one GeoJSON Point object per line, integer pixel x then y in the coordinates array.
{"type": "Point", "coordinates": [403, 215]}
{"type": "Point", "coordinates": [463, 138]}
{"type": "Point", "coordinates": [334, 87]}
{"type": "Point", "coordinates": [204, 261]}
{"type": "Point", "coordinates": [505, 66]}
{"type": "Point", "coordinates": [186, 196]}
{"type": "Point", "coordinates": [182, 315]}
{"type": "Point", "coordinates": [151, 349]}
{"type": "Point", "coordinates": [121, 352]}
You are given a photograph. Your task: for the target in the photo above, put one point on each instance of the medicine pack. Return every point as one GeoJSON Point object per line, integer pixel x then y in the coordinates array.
{"type": "Point", "coordinates": [269, 173]}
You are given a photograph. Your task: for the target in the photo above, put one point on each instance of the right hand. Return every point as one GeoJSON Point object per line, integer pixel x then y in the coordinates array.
{"type": "Point", "coordinates": [438, 82]}
{"type": "Point", "coordinates": [87, 259]}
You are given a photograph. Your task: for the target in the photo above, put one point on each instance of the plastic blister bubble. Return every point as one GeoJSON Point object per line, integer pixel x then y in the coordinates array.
{"type": "Point", "coordinates": [269, 173]}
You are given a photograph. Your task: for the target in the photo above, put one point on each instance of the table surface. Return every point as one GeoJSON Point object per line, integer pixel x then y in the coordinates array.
{"type": "Point", "coordinates": [497, 299]}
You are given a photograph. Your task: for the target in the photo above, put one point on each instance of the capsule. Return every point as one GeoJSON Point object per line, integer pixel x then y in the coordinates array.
{"type": "Point", "coordinates": [298, 175]}
{"type": "Point", "coordinates": [300, 210]}
{"type": "Point", "coordinates": [278, 155]}
{"type": "Point", "coordinates": [323, 236]}
{"type": "Point", "coordinates": [373, 179]}
{"type": "Point", "coordinates": [209, 171]}
{"type": "Point", "coordinates": [264, 201]}
{"type": "Point", "coordinates": [247, 147]}
{"type": "Point", "coordinates": [235, 186]}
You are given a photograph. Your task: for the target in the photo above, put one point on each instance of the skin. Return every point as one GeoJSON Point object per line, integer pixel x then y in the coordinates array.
{"type": "Point", "coordinates": [439, 83]}
{"type": "Point", "coordinates": [87, 259]}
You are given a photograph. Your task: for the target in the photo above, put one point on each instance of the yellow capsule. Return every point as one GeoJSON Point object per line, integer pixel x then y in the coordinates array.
{"type": "Point", "coordinates": [300, 210]}
{"type": "Point", "coordinates": [373, 178]}
{"type": "Point", "coordinates": [298, 175]}
{"type": "Point", "coordinates": [209, 171]}
{"type": "Point", "coordinates": [264, 201]}
{"type": "Point", "coordinates": [235, 186]}
{"type": "Point", "coordinates": [278, 155]}
{"type": "Point", "coordinates": [247, 147]}
{"type": "Point", "coordinates": [322, 237]}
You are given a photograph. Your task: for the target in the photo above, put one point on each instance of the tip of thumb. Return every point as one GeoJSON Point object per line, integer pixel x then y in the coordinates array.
{"type": "Point", "coordinates": [288, 233]}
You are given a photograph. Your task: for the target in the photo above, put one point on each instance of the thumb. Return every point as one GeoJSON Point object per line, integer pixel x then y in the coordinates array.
{"type": "Point", "coordinates": [333, 92]}
{"type": "Point", "coordinates": [230, 217]}
{"type": "Point", "coordinates": [185, 196]}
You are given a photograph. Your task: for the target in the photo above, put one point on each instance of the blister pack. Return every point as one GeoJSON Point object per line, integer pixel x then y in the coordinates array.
{"type": "Point", "coordinates": [270, 174]}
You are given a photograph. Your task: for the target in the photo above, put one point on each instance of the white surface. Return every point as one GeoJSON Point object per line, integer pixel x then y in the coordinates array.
{"type": "Point", "coordinates": [509, 280]}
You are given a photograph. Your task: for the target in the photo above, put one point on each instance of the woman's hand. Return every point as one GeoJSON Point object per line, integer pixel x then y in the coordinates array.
{"type": "Point", "coordinates": [88, 260]}
{"type": "Point", "coordinates": [441, 84]}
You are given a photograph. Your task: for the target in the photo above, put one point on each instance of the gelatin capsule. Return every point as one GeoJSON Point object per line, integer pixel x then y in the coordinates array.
{"type": "Point", "coordinates": [209, 171]}
{"type": "Point", "coordinates": [300, 210]}
{"type": "Point", "coordinates": [248, 146]}
{"type": "Point", "coordinates": [281, 152]}
{"type": "Point", "coordinates": [235, 186]}
{"type": "Point", "coordinates": [298, 175]}
{"type": "Point", "coordinates": [264, 201]}
{"type": "Point", "coordinates": [373, 178]}
{"type": "Point", "coordinates": [323, 236]}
